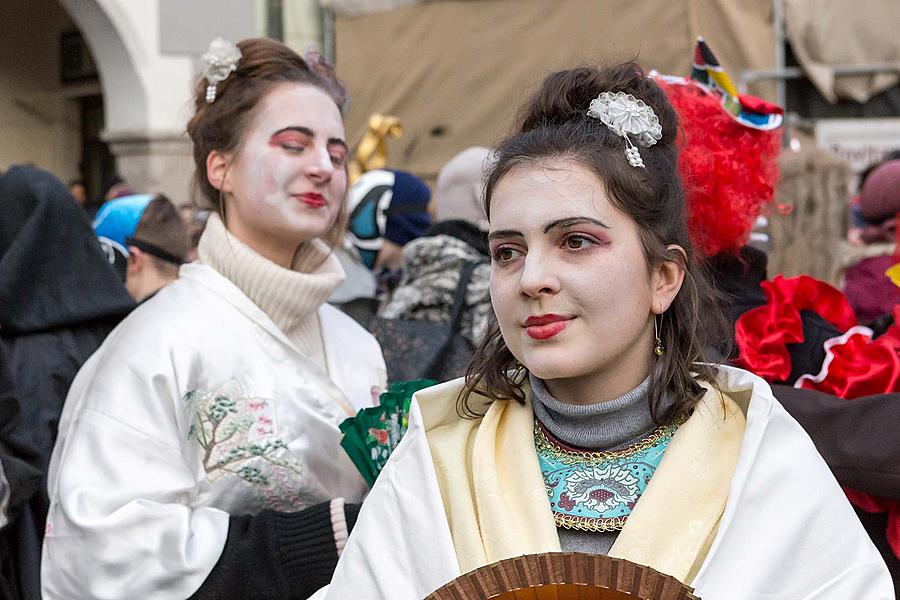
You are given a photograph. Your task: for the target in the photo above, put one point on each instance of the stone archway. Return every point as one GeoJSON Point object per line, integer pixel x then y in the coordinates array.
{"type": "Point", "coordinates": [146, 93]}
{"type": "Point", "coordinates": [115, 53]}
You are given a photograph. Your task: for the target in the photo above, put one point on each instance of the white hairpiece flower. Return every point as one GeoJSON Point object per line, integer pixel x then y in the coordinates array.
{"type": "Point", "coordinates": [627, 116]}
{"type": "Point", "coordinates": [221, 59]}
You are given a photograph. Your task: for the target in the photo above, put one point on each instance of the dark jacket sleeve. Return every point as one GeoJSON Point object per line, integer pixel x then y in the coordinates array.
{"type": "Point", "coordinates": [20, 462]}
{"type": "Point", "coordinates": [857, 438]}
{"type": "Point", "coordinates": [275, 555]}
{"type": "Point", "coordinates": [22, 474]}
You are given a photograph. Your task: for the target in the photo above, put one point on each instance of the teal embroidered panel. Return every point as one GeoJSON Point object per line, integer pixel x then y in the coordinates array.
{"type": "Point", "coordinates": [596, 491]}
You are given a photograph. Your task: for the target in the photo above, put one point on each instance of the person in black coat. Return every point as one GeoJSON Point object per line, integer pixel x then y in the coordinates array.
{"type": "Point", "coordinates": [20, 471]}
{"type": "Point", "coordinates": [729, 165]}
{"type": "Point", "coordinates": [59, 298]}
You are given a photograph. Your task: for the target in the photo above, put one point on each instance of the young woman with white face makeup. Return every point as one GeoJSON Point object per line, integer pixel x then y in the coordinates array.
{"type": "Point", "coordinates": [589, 419]}
{"type": "Point", "coordinates": [198, 453]}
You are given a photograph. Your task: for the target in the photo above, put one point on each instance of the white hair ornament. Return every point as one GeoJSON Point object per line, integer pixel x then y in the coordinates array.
{"type": "Point", "coordinates": [220, 60]}
{"type": "Point", "coordinates": [626, 116]}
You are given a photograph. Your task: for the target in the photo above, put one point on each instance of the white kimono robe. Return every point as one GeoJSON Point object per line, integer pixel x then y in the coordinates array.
{"type": "Point", "coordinates": [784, 529]}
{"type": "Point", "coordinates": [195, 408]}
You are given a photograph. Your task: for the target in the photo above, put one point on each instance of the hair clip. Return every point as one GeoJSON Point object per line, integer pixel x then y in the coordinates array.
{"type": "Point", "coordinates": [321, 67]}
{"type": "Point", "coordinates": [221, 59]}
{"type": "Point", "coordinates": [626, 115]}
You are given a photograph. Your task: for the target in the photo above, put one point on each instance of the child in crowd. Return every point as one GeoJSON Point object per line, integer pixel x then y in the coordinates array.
{"type": "Point", "coordinates": [146, 240]}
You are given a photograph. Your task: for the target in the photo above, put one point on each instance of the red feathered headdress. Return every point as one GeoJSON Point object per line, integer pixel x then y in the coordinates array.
{"type": "Point", "coordinates": [729, 146]}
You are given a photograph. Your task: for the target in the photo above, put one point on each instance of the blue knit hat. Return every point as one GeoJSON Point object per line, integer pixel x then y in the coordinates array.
{"type": "Point", "coordinates": [407, 215]}
{"type": "Point", "coordinates": [387, 205]}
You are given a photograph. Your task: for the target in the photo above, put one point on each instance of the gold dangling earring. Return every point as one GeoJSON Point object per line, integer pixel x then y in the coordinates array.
{"type": "Point", "coordinates": [659, 349]}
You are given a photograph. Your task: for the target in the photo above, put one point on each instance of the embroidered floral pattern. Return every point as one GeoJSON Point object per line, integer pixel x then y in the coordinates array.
{"type": "Point", "coordinates": [602, 488]}
{"type": "Point", "coordinates": [596, 491]}
{"type": "Point", "coordinates": [237, 435]}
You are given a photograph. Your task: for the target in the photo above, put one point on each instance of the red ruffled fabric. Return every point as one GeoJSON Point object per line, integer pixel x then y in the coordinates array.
{"type": "Point", "coordinates": [875, 505]}
{"type": "Point", "coordinates": [762, 334]}
{"type": "Point", "coordinates": [855, 364]}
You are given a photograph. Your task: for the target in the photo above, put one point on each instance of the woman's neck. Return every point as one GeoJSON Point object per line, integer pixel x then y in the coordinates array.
{"type": "Point", "coordinates": [609, 425]}
{"type": "Point", "coordinates": [290, 297]}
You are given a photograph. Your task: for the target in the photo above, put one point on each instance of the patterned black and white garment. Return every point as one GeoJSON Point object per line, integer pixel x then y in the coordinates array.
{"type": "Point", "coordinates": [431, 268]}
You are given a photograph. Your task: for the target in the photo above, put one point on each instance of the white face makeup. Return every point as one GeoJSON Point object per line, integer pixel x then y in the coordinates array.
{"type": "Point", "coordinates": [569, 281]}
{"type": "Point", "coordinates": [288, 180]}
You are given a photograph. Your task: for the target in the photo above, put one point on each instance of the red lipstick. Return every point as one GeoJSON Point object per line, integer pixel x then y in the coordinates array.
{"type": "Point", "coordinates": [312, 199]}
{"type": "Point", "coordinates": [544, 327]}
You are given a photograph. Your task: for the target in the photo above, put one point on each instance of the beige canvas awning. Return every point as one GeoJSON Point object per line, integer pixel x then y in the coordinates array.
{"type": "Point", "coordinates": [830, 36]}
{"type": "Point", "coordinates": [356, 8]}
{"type": "Point", "coordinates": [455, 72]}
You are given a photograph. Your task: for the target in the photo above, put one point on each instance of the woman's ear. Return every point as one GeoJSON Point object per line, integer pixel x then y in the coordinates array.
{"type": "Point", "coordinates": [667, 279]}
{"type": "Point", "coordinates": [217, 171]}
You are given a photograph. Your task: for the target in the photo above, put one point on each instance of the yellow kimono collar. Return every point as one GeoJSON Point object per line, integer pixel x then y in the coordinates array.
{"type": "Point", "coordinates": [496, 503]}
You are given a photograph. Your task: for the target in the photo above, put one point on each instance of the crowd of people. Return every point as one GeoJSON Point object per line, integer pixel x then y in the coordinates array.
{"type": "Point", "coordinates": [617, 373]}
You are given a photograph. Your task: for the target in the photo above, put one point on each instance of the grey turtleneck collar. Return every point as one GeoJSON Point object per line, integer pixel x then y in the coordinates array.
{"type": "Point", "coordinates": [610, 425]}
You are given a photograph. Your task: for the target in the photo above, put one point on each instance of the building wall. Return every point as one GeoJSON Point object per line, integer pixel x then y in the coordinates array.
{"type": "Point", "coordinates": [147, 55]}
{"type": "Point", "coordinates": [39, 117]}
{"type": "Point", "coordinates": [302, 21]}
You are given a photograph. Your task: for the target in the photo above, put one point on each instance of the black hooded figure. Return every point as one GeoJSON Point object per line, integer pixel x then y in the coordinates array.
{"type": "Point", "coordinates": [59, 298]}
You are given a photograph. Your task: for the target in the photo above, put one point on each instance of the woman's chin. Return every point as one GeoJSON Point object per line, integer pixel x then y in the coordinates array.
{"type": "Point", "coordinates": [547, 368]}
{"type": "Point", "coordinates": [295, 236]}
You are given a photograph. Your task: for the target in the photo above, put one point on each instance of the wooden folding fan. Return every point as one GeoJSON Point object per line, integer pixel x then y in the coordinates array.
{"type": "Point", "coordinates": [564, 576]}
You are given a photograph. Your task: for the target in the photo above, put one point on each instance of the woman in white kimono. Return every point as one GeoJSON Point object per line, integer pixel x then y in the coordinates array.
{"type": "Point", "coordinates": [589, 420]}
{"type": "Point", "coordinates": [198, 452]}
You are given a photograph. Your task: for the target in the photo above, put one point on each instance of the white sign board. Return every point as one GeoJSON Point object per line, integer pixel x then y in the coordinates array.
{"type": "Point", "coordinates": [861, 142]}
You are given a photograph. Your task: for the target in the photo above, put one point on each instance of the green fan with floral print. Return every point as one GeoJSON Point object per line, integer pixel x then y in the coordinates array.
{"type": "Point", "coordinates": [372, 435]}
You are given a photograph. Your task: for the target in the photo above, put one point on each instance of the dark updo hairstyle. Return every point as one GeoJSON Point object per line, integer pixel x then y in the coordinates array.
{"type": "Point", "coordinates": [221, 125]}
{"type": "Point", "coordinates": [554, 125]}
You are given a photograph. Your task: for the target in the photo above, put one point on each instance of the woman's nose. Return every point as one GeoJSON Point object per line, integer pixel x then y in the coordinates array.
{"type": "Point", "coordinates": [538, 276]}
{"type": "Point", "coordinates": [320, 166]}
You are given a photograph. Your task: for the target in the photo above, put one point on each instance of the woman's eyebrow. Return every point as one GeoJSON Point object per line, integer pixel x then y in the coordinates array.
{"type": "Point", "coordinates": [504, 233]}
{"type": "Point", "coordinates": [569, 221]}
{"type": "Point", "coordinates": [298, 128]}
{"type": "Point", "coordinates": [310, 133]}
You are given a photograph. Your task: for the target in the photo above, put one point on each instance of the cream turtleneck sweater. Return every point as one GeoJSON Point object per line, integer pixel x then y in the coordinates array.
{"type": "Point", "coordinates": [290, 297]}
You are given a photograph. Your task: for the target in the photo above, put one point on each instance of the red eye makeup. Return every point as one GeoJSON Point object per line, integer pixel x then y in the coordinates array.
{"type": "Point", "coordinates": [288, 138]}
